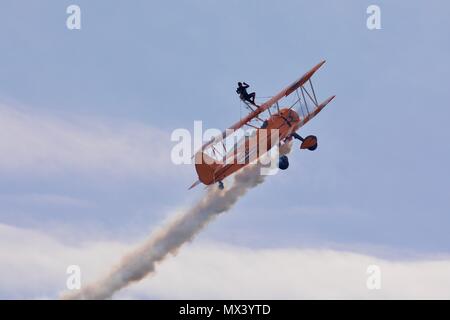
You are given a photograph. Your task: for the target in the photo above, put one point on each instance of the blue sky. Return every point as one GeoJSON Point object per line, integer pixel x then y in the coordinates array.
{"type": "Point", "coordinates": [101, 96]}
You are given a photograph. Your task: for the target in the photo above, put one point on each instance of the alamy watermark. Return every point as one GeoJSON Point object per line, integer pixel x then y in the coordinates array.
{"type": "Point", "coordinates": [230, 147]}
{"type": "Point", "coordinates": [73, 281]}
{"type": "Point", "coordinates": [73, 21]}
{"type": "Point", "coordinates": [374, 279]}
{"type": "Point", "coordinates": [374, 19]}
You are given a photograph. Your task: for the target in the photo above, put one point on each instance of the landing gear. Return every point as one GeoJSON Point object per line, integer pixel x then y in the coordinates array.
{"type": "Point", "coordinates": [283, 163]}
{"type": "Point", "coordinates": [221, 186]}
{"type": "Point", "coordinates": [310, 142]}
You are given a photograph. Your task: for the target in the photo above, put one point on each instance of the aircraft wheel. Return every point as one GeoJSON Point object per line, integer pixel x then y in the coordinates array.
{"type": "Point", "coordinates": [283, 163]}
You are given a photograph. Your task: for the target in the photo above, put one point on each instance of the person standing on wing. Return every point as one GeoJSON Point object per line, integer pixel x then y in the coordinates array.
{"type": "Point", "coordinates": [244, 95]}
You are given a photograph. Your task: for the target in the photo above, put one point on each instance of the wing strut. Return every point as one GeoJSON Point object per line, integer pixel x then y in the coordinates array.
{"type": "Point", "coordinates": [314, 93]}
{"type": "Point", "coordinates": [304, 99]}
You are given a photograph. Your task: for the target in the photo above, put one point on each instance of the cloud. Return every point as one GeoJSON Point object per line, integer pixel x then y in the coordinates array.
{"type": "Point", "coordinates": [36, 143]}
{"type": "Point", "coordinates": [33, 265]}
{"type": "Point", "coordinates": [37, 199]}
{"type": "Point", "coordinates": [223, 272]}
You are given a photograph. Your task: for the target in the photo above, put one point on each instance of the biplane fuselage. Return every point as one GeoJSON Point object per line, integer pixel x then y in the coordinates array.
{"type": "Point", "coordinates": [284, 123]}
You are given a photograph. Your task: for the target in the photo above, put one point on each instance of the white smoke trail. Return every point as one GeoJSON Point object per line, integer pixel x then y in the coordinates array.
{"type": "Point", "coordinates": [139, 263]}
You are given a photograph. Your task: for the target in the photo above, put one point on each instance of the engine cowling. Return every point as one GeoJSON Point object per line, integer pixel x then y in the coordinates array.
{"type": "Point", "coordinates": [310, 143]}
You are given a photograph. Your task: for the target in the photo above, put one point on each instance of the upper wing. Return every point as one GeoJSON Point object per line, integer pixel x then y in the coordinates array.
{"type": "Point", "coordinates": [266, 105]}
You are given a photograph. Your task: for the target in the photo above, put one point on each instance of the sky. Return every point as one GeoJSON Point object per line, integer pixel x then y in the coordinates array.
{"type": "Point", "coordinates": [86, 117]}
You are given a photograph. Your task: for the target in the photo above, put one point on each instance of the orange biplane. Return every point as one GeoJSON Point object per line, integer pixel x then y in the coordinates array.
{"type": "Point", "coordinates": [215, 160]}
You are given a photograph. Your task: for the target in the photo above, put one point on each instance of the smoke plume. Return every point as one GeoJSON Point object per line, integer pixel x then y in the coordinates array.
{"type": "Point", "coordinates": [142, 261]}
